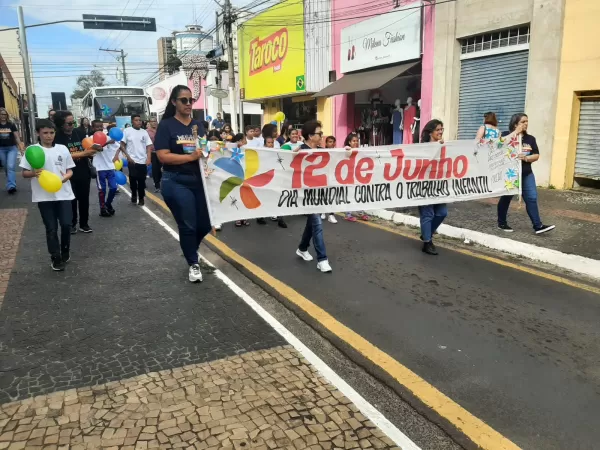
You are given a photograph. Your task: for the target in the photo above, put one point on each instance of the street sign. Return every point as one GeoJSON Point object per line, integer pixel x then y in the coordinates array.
{"type": "Point", "coordinates": [126, 23]}
{"type": "Point", "coordinates": [219, 93]}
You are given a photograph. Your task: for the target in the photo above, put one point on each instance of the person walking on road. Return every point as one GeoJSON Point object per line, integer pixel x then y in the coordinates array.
{"type": "Point", "coordinates": [311, 131]}
{"type": "Point", "coordinates": [138, 151]}
{"type": "Point", "coordinates": [84, 127]}
{"type": "Point", "coordinates": [9, 141]}
{"type": "Point", "coordinates": [106, 181]}
{"type": "Point", "coordinates": [432, 216]}
{"type": "Point", "coordinates": [182, 186]}
{"type": "Point", "coordinates": [529, 155]}
{"type": "Point", "coordinates": [55, 208]}
{"type": "Point", "coordinates": [156, 164]}
{"type": "Point", "coordinates": [352, 143]}
{"type": "Point", "coordinates": [217, 123]}
{"type": "Point", "coordinates": [82, 175]}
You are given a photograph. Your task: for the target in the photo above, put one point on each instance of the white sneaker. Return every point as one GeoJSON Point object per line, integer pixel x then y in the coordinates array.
{"type": "Point", "coordinates": [304, 255]}
{"type": "Point", "coordinates": [195, 274]}
{"type": "Point", "coordinates": [324, 266]}
{"type": "Point", "coordinates": [323, 216]}
{"type": "Point", "coordinates": [332, 219]}
{"type": "Point", "coordinates": [218, 227]}
{"type": "Point", "coordinates": [274, 218]}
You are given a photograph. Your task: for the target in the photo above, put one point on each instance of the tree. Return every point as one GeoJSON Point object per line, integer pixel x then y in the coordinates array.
{"type": "Point", "coordinates": [173, 63]}
{"type": "Point", "coordinates": [86, 82]}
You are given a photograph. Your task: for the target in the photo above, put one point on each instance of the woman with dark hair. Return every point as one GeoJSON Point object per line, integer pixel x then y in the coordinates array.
{"type": "Point", "coordinates": [10, 139]}
{"type": "Point", "coordinates": [182, 188]}
{"type": "Point", "coordinates": [84, 127]}
{"type": "Point", "coordinates": [432, 216]}
{"type": "Point", "coordinates": [352, 143]}
{"type": "Point", "coordinates": [285, 132]}
{"type": "Point", "coordinates": [489, 129]}
{"type": "Point", "coordinates": [227, 129]}
{"type": "Point", "coordinates": [270, 130]}
{"type": "Point", "coordinates": [530, 154]}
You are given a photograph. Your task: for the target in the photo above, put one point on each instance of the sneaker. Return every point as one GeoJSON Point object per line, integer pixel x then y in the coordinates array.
{"type": "Point", "coordinates": [246, 223]}
{"type": "Point", "coordinates": [104, 213]}
{"type": "Point", "coordinates": [544, 228]}
{"type": "Point", "coordinates": [238, 223]}
{"type": "Point", "coordinates": [324, 266]}
{"type": "Point", "coordinates": [141, 202]}
{"type": "Point", "coordinates": [66, 256]}
{"type": "Point", "coordinates": [134, 200]}
{"type": "Point", "coordinates": [74, 229]}
{"type": "Point", "coordinates": [110, 210]}
{"type": "Point", "coordinates": [332, 219]}
{"type": "Point", "coordinates": [281, 223]}
{"type": "Point", "coordinates": [157, 190]}
{"type": "Point", "coordinates": [365, 217]}
{"type": "Point", "coordinates": [195, 276]}
{"type": "Point", "coordinates": [429, 248]}
{"type": "Point", "coordinates": [261, 221]}
{"type": "Point", "coordinates": [304, 255]}
{"type": "Point", "coordinates": [323, 216]}
{"type": "Point", "coordinates": [274, 218]}
{"type": "Point", "coordinates": [218, 227]}
{"type": "Point", "coordinates": [57, 264]}
{"type": "Point", "coordinates": [12, 190]}
{"type": "Point", "coordinates": [85, 229]}
{"type": "Point", "coordinates": [350, 218]}
{"type": "Point", "coordinates": [505, 227]}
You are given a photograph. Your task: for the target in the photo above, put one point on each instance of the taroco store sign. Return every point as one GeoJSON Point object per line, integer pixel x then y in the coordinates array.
{"type": "Point", "coordinates": [386, 39]}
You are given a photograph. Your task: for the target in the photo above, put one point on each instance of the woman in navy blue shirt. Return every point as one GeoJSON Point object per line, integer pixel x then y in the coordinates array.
{"type": "Point", "coordinates": [182, 186]}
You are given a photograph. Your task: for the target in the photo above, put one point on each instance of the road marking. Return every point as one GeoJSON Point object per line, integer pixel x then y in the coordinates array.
{"type": "Point", "coordinates": [361, 403]}
{"type": "Point", "coordinates": [474, 428]}
{"type": "Point", "coordinates": [492, 259]}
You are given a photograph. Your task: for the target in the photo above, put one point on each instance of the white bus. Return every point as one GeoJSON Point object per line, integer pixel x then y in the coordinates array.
{"type": "Point", "coordinates": [107, 102]}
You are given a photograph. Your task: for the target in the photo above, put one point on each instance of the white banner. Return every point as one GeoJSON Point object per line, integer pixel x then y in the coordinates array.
{"type": "Point", "coordinates": [265, 182]}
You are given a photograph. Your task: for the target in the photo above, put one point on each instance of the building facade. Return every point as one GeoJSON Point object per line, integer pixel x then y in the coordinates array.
{"type": "Point", "coordinates": [193, 41]}
{"type": "Point", "coordinates": [166, 50]}
{"type": "Point", "coordinates": [576, 154]}
{"type": "Point", "coordinates": [9, 94]}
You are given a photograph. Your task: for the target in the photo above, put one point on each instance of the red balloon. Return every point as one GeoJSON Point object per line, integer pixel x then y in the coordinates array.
{"type": "Point", "coordinates": [100, 138]}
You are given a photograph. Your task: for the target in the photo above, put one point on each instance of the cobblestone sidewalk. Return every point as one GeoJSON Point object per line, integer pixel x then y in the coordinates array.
{"type": "Point", "coordinates": [267, 399]}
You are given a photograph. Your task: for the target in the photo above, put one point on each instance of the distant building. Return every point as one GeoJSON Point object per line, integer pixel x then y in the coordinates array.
{"type": "Point", "coordinates": [193, 41]}
{"type": "Point", "coordinates": [9, 45]}
{"type": "Point", "coordinates": [9, 93]}
{"type": "Point", "coordinates": [166, 50]}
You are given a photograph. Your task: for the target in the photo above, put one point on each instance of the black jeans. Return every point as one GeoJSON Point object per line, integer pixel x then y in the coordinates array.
{"type": "Point", "coordinates": [81, 189]}
{"type": "Point", "coordinates": [53, 214]}
{"type": "Point", "coordinates": [156, 170]}
{"type": "Point", "coordinates": [137, 180]}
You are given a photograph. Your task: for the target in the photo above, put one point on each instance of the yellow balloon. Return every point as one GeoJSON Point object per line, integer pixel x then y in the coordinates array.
{"type": "Point", "coordinates": [118, 164]}
{"type": "Point", "coordinates": [280, 116]}
{"type": "Point", "coordinates": [49, 181]}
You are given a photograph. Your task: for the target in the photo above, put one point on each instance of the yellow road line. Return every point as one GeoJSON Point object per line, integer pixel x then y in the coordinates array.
{"type": "Point", "coordinates": [529, 270]}
{"type": "Point", "coordinates": [475, 429]}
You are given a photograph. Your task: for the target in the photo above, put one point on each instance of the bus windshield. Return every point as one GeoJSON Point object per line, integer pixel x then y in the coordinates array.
{"type": "Point", "coordinates": [106, 108]}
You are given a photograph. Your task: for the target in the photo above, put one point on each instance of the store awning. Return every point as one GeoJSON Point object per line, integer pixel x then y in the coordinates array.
{"type": "Point", "coordinates": [364, 81]}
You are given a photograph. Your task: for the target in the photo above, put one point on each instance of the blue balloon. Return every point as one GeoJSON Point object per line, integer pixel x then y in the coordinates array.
{"type": "Point", "coordinates": [208, 118]}
{"type": "Point", "coordinates": [273, 122]}
{"type": "Point", "coordinates": [125, 163]}
{"type": "Point", "coordinates": [120, 177]}
{"type": "Point", "coordinates": [116, 134]}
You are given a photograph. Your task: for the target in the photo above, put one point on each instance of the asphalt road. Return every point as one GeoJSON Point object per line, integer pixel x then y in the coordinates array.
{"type": "Point", "coordinates": [518, 351]}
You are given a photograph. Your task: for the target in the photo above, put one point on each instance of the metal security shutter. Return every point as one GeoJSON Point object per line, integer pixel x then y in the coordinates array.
{"type": "Point", "coordinates": [587, 158]}
{"type": "Point", "coordinates": [492, 83]}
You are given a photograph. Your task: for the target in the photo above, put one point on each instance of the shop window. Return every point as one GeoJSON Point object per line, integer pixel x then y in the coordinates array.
{"type": "Point", "coordinates": [497, 39]}
{"type": "Point", "coordinates": [332, 76]}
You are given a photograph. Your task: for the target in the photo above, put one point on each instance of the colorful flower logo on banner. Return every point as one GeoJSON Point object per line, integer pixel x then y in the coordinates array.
{"type": "Point", "coordinates": [246, 179]}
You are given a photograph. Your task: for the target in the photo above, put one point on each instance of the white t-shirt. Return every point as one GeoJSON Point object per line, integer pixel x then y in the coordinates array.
{"type": "Point", "coordinates": [104, 160]}
{"type": "Point", "coordinates": [137, 141]}
{"type": "Point", "coordinates": [58, 160]}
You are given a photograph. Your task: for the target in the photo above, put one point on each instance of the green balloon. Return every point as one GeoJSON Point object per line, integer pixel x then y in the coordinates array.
{"type": "Point", "coordinates": [35, 156]}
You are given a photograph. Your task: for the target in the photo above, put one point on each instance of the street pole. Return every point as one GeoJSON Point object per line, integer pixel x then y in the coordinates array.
{"type": "Point", "coordinates": [219, 99]}
{"type": "Point", "coordinates": [122, 57]}
{"type": "Point", "coordinates": [228, 22]}
{"type": "Point", "coordinates": [27, 73]}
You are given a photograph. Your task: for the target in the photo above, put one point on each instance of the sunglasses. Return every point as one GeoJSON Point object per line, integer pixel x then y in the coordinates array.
{"type": "Point", "coordinates": [187, 100]}
{"type": "Point", "coordinates": [70, 123]}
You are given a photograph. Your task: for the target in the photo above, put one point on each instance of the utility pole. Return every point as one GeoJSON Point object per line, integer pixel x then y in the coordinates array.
{"type": "Point", "coordinates": [219, 99]}
{"type": "Point", "coordinates": [27, 73]}
{"type": "Point", "coordinates": [122, 58]}
{"type": "Point", "coordinates": [228, 21]}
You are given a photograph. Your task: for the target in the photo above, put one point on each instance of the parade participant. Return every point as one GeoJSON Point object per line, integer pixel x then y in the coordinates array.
{"type": "Point", "coordinates": [529, 155]}
{"type": "Point", "coordinates": [182, 187]}
{"type": "Point", "coordinates": [269, 142]}
{"type": "Point", "coordinates": [138, 151]}
{"type": "Point", "coordinates": [312, 134]}
{"type": "Point", "coordinates": [239, 139]}
{"type": "Point", "coordinates": [68, 136]}
{"type": "Point", "coordinates": [156, 165]}
{"type": "Point", "coordinates": [293, 141]}
{"type": "Point", "coordinates": [218, 122]}
{"type": "Point", "coordinates": [352, 142]}
{"type": "Point", "coordinates": [55, 208]}
{"type": "Point", "coordinates": [432, 216]}
{"type": "Point", "coordinates": [250, 137]}
{"type": "Point", "coordinates": [10, 139]}
{"type": "Point", "coordinates": [270, 130]}
{"type": "Point", "coordinates": [106, 182]}
{"type": "Point", "coordinates": [330, 143]}
{"type": "Point", "coordinates": [227, 129]}
{"type": "Point", "coordinates": [51, 114]}
{"type": "Point", "coordinates": [258, 139]}
{"type": "Point", "coordinates": [284, 137]}
{"type": "Point", "coordinates": [84, 127]}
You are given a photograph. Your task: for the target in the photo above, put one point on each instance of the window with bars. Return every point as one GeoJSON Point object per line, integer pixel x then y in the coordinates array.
{"type": "Point", "coordinates": [497, 39]}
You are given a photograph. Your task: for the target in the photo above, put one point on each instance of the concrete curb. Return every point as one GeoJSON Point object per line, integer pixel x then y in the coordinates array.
{"type": "Point", "coordinates": [575, 263]}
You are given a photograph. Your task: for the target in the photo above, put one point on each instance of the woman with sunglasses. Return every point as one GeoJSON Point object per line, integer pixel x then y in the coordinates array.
{"type": "Point", "coordinates": [182, 186]}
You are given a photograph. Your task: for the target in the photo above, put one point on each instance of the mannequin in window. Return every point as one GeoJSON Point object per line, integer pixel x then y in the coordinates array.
{"type": "Point", "coordinates": [397, 122]}
{"type": "Point", "coordinates": [417, 123]}
{"type": "Point", "coordinates": [410, 112]}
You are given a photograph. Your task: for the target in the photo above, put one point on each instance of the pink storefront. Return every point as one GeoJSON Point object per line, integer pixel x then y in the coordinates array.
{"type": "Point", "coordinates": [383, 64]}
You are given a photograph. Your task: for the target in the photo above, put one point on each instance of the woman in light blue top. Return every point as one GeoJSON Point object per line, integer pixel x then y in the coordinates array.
{"type": "Point", "coordinates": [489, 129]}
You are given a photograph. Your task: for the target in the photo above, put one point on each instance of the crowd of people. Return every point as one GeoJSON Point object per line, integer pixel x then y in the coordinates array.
{"type": "Point", "coordinates": [168, 152]}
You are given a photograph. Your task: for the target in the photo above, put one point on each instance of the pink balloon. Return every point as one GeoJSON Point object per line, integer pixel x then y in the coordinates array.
{"type": "Point", "coordinates": [100, 138]}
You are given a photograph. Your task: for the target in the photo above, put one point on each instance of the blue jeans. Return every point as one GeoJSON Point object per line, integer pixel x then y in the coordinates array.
{"type": "Point", "coordinates": [432, 217]}
{"type": "Point", "coordinates": [8, 156]}
{"type": "Point", "coordinates": [529, 191]}
{"type": "Point", "coordinates": [184, 195]}
{"type": "Point", "coordinates": [314, 230]}
{"type": "Point", "coordinates": [104, 178]}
